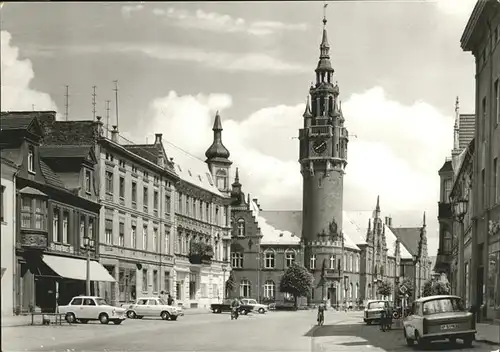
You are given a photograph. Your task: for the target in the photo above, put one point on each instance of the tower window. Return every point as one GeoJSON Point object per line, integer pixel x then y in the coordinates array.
{"type": "Point", "coordinates": [221, 179]}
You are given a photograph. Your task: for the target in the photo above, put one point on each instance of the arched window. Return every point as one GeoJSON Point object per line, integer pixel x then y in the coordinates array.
{"type": "Point", "coordinates": [332, 262]}
{"type": "Point", "coordinates": [312, 262]}
{"type": "Point", "coordinates": [289, 257]}
{"type": "Point", "coordinates": [269, 260]}
{"type": "Point", "coordinates": [350, 291]}
{"type": "Point", "coordinates": [369, 293]}
{"type": "Point", "coordinates": [269, 289]}
{"type": "Point", "coordinates": [241, 227]}
{"type": "Point", "coordinates": [351, 258]}
{"type": "Point", "coordinates": [357, 290]}
{"type": "Point", "coordinates": [245, 288]}
{"type": "Point", "coordinates": [345, 262]}
{"type": "Point", "coordinates": [221, 179]}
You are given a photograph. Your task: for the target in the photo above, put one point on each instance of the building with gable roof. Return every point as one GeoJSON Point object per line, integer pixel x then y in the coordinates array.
{"type": "Point", "coordinates": [202, 213]}
{"type": "Point", "coordinates": [481, 37]}
{"type": "Point", "coordinates": [56, 207]}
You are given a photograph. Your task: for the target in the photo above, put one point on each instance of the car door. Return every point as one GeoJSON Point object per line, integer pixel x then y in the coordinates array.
{"type": "Point", "coordinates": [89, 309]}
{"type": "Point", "coordinates": [409, 321]}
{"type": "Point", "coordinates": [153, 309]}
{"type": "Point", "coordinates": [75, 306]}
{"type": "Point", "coordinates": [140, 307]}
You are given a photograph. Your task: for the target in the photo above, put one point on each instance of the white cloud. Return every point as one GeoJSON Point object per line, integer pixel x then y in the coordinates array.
{"type": "Point", "coordinates": [16, 76]}
{"type": "Point", "coordinates": [216, 22]}
{"type": "Point", "coordinates": [460, 9]}
{"type": "Point", "coordinates": [397, 154]}
{"type": "Point", "coordinates": [249, 62]}
{"type": "Point", "coordinates": [127, 10]}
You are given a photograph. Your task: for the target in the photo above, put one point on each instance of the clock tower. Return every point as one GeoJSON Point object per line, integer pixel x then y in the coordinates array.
{"type": "Point", "coordinates": [323, 158]}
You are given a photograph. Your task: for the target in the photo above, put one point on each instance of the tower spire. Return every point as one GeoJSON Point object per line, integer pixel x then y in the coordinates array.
{"type": "Point", "coordinates": [237, 177]}
{"type": "Point", "coordinates": [217, 150]}
{"type": "Point", "coordinates": [324, 70]}
{"type": "Point", "coordinates": [424, 223]}
{"type": "Point", "coordinates": [377, 207]}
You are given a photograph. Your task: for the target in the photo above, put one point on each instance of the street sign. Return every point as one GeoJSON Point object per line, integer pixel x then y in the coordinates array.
{"type": "Point", "coordinates": [403, 289]}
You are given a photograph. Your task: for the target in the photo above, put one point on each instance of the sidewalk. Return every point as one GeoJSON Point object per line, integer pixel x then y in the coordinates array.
{"type": "Point", "coordinates": [489, 333]}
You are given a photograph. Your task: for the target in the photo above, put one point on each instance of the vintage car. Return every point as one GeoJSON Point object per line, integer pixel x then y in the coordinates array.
{"type": "Point", "coordinates": [86, 308]}
{"type": "Point", "coordinates": [373, 310]}
{"type": "Point", "coordinates": [438, 318]}
{"type": "Point", "coordinates": [261, 308]}
{"type": "Point", "coordinates": [225, 306]}
{"type": "Point", "coordinates": [153, 307]}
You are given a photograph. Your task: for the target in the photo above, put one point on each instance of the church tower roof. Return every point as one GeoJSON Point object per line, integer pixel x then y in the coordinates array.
{"type": "Point", "coordinates": [217, 151]}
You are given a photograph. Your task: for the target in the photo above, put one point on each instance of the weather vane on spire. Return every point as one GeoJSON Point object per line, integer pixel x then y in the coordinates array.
{"type": "Point", "coordinates": [324, 13]}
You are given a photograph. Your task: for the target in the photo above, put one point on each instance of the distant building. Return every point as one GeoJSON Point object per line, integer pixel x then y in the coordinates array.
{"type": "Point", "coordinates": [56, 209]}
{"type": "Point", "coordinates": [8, 223]}
{"type": "Point", "coordinates": [481, 37]}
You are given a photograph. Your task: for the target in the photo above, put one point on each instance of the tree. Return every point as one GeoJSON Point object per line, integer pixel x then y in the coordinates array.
{"type": "Point", "coordinates": [297, 281]}
{"type": "Point", "coordinates": [230, 284]}
{"type": "Point", "coordinates": [384, 289]}
{"type": "Point", "coordinates": [433, 288]}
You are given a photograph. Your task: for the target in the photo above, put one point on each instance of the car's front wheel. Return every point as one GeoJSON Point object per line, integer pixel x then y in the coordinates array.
{"type": "Point", "coordinates": [262, 310]}
{"type": "Point", "coordinates": [409, 341]}
{"type": "Point", "coordinates": [103, 318]}
{"type": "Point", "coordinates": [420, 341]}
{"type": "Point", "coordinates": [131, 314]}
{"type": "Point", "coordinates": [70, 318]}
{"type": "Point", "coordinates": [165, 315]}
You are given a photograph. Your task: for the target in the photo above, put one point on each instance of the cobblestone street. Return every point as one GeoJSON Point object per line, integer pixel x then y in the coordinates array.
{"type": "Point", "coordinates": [275, 331]}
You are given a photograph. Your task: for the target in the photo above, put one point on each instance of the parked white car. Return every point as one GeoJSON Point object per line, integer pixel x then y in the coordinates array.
{"type": "Point", "coordinates": [153, 307]}
{"type": "Point", "coordinates": [261, 308]}
{"type": "Point", "coordinates": [86, 308]}
{"type": "Point", "coordinates": [439, 318]}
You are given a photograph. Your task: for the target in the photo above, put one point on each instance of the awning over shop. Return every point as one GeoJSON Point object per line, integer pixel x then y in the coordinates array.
{"type": "Point", "coordinates": [72, 268]}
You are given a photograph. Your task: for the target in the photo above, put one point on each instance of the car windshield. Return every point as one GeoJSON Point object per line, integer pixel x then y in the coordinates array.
{"type": "Point", "coordinates": [446, 305]}
{"type": "Point", "coordinates": [376, 305]}
{"type": "Point", "coordinates": [101, 302]}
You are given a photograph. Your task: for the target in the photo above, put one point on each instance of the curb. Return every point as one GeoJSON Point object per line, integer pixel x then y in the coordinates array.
{"type": "Point", "coordinates": [493, 343]}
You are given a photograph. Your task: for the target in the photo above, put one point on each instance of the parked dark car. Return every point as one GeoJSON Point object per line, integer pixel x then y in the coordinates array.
{"type": "Point", "coordinates": [225, 306]}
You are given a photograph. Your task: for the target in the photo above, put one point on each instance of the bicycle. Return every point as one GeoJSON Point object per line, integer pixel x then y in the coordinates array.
{"type": "Point", "coordinates": [321, 318]}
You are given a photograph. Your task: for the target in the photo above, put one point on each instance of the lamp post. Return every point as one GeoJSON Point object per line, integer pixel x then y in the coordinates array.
{"type": "Point", "coordinates": [224, 269]}
{"type": "Point", "coordinates": [459, 211]}
{"type": "Point", "coordinates": [88, 245]}
{"type": "Point", "coordinates": [415, 260]}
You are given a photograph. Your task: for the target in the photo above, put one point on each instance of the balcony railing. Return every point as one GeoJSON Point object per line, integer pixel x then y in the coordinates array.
{"type": "Point", "coordinates": [321, 130]}
{"type": "Point", "coordinates": [34, 240]}
{"type": "Point", "coordinates": [333, 274]}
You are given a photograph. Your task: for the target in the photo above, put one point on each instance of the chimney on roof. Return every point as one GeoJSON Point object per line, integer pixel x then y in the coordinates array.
{"type": "Point", "coordinates": [114, 134]}
{"type": "Point", "coordinates": [98, 127]}
{"type": "Point", "coordinates": [158, 138]}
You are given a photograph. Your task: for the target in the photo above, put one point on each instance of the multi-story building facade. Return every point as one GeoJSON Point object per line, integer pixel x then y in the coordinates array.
{"type": "Point", "coordinates": [481, 37]}
{"type": "Point", "coordinates": [56, 209]}
{"type": "Point", "coordinates": [202, 222]}
{"type": "Point", "coordinates": [354, 252]}
{"type": "Point", "coordinates": [8, 222]}
{"type": "Point", "coordinates": [447, 256]}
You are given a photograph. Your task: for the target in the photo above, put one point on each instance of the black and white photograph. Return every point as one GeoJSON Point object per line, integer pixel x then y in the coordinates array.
{"type": "Point", "coordinates": [276, 176]}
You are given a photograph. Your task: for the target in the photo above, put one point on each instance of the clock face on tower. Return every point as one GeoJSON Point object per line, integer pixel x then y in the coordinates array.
{"type": "Point", "coordinates": [319, 146]}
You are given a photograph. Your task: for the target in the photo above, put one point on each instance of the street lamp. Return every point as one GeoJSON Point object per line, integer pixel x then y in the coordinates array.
{"type": "Point", "coordinates": [224, 269]}
{"type": "Point", "coordinates": [459, 210]}
{"type": "Point", "coordinates": [88, 245]}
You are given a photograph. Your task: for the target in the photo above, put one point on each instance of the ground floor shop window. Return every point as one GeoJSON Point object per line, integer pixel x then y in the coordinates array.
{"type": "Point", "coordinates": [494, 282]}
{"type": "Point", "coordinates": [192, 286]}
{"type": "Point", "coordinates": [127, 284]}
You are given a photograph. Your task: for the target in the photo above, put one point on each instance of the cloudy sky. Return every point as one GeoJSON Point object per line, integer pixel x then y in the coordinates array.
{"type": "Point", "coordinates": [398, 64]}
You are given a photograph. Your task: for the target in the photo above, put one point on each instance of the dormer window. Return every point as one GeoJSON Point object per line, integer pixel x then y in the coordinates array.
{"type": "Point", "coordinates": [221, 178]}
{"type": "Point", "coordinates": [31, 159]}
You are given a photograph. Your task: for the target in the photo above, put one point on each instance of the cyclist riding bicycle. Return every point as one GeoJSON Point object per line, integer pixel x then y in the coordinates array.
{"type": "Point", "coordinates": [321, 312]}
